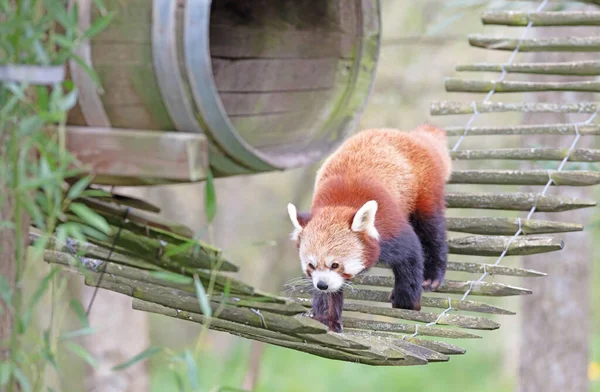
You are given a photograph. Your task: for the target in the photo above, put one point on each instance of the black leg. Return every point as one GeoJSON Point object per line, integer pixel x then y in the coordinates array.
{"type": "Point", "coordinates": [432, 234]}
{"type": "Point", "coordinates": [405, 256]}
{"type": "Point", "coordinates": [327, 309]}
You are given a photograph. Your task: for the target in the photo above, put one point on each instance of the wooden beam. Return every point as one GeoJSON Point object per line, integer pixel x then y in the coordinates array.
{"type": "Point", "coordinates": [139, 157]}
{"type": "Point", "coordinates": [521, 18]}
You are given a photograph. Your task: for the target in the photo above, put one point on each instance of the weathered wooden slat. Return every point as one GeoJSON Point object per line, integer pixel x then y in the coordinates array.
{"type": "Point", "coordinates": [363, 294]}
{"type": "Point", "coordinates": [542, 18]}
{"type": "Point", "coordinates": [577, 68]}
{"type": "Point", "coordinates": [507, 226]}
{"type": "Point", "coordinates": [516, 201]}
{"type": "Point", "coordinates": [491, 269]}
{"type": "Point", "coordinates": [526, 177]}
{"type": "Point", "coordinates": [249, 75]}
{"type": "Point", "coordinates": [495, 245]}
{"type": "Point", "coordinates": [244, 104]}
{"type": "Point", "coordinates": [532, 154]}
{"type": "Point", "coordinates": [351, 322]}
{"type": "Point", "coordinates": [459, 320]}
{"type": "Point", "coordinates": [568, 44]}
{"type": "Point", "coordinates": [449, 286]}
{"type": "Point", "coordinates": [135, 157]}
{"type": "Point", "coordinates": [440, 347]}
{"type": "Point", "coordinates": [442, 108]}
{"type": "Point", "coordinates": [539, 129]}
{"type": "Point", "coordinates": [483, 86]}
{"type": "Point", "coordinates": [391, 340]}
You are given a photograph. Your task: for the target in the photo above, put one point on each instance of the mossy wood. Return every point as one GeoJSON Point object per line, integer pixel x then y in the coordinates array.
{"type": "Point", "coordinates": [520, 18]}
{"type": "Point", "coordinates": [270, 90]}
{"type": "Point", "coordinates": [574, 68]}
{"type": "Point", "coordinates": [320, 67]}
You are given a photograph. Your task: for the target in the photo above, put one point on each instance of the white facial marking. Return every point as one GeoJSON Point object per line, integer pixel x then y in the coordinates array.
{"type": "Point", "coordinates": [353, 266]}
{"type": "Point", "coordinates": [364, 220]}
{"type": "Point", "coordinates": [332, 279]}
{"type": "Point", "coordinates": [329, 261]}
{"type": "Point", "coordinates": [294, 218]}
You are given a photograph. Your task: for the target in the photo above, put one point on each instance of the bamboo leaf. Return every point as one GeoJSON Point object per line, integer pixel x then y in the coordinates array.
{"type": "Point", "coordinates": [138, 358]}
{"type": "Point", "coordinates": [83, 354]}
{"type": "Point", "coordinates": [79, 332]}
{"type": "Point", "coordinates": [172, 277]}
{"type": "Point", "coordinates": [210, 198]}
{"type": "Point", "coordinates": [5, 372]}
{"type": "Point", "coordinates": [192, 370]}
{"type": "Point", "coordinates": [98, 26]}
{"type": "Point", "coordinates": [80, 312]}
{"type": "Point", "coordinates": [77, 189]}
{"type": "Point", "coordinates": [22, 380]}
{"type": "Point", "coordinates": [202, 297]}
{"type": "Point", "coordinates": [90, 217]}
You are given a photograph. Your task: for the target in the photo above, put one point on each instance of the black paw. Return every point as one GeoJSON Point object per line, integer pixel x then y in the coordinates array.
{"type": "Point", "coordinates": [403, 300]}
{"type": "Point", "coordinates": [432, 281]}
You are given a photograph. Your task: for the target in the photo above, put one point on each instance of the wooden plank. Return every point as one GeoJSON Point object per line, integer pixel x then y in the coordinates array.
{"type": "Point", "coordinates": [526, 177]}
{"type": "Point", "coordinates": [274, 75]}
{"type": "Point", "coordinates": [449, 286]}
{"type": "Point", "coordinates": [377, 295]}
{"type": "Point", "coordinates": [139, 156]}
{"type": "Point", "coordinates": [273, 129]}
{"type": "Point", "coordinates": [542, 18]}
{"type": "Point", "coordinates": [250, 42]}
{"type": "Point", "coordinates": [516, 202]}
{"type": "Point", "coordinates": [484, 86]}
{"type": "Point", "coordinates": [530, 154]}
{"type": "Point", "coordinates": [507, 226]}
{"type": "Point", "coordinates": [568, 44]}
{"type": "Point", "coordinates": [479, 268]}
{"type": "Point", "coordinates": [496, 245]}
{"type": "Point", "coordinates": [578, 68]}
{"type": "Point", "coordinates": [246, 104]}
{"type": "Point", "coordinates": [356, 323]}
{"type": "Point", "coordinates": [441, 108]}
{"type": "Point", "coordinates": [539, 129]}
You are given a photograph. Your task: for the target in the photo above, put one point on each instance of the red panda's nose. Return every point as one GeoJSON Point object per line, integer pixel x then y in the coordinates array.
{"type": "Point", "coordinates": [322, 285]}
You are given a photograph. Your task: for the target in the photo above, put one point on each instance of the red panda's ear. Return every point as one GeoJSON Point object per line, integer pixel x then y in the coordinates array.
{"type": "Point", "coordinates": [364, 219]}
{"type": "Point", "coordinates": [299, 220]}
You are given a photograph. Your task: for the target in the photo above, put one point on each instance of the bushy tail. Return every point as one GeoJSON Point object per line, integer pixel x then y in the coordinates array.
{"type": "Point", "coordinates": [439, 140]}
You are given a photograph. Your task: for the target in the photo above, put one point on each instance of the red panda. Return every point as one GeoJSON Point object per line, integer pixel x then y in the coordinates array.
{"type": "Point", "coordinates": [379, 196]}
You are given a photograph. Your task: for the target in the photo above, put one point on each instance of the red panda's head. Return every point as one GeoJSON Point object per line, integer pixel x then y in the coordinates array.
{"type": "Point", "coordinates": [336, 243]}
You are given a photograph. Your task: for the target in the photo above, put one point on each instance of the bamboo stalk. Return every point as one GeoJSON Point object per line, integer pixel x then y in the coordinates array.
{"type": "Point", "coordinates": [539, 129]}
{"type": "Point", "coordinates": [577, 68]}
{"type": "Point", "coordinates": [126, 271]}
{"type": "Point", "coordinates": [441, 108]}
{"type": "Point", "coordinates": [516, 202]}
{"type": "Point", "coordinates": [363, 294]}
{"type": "Point", "coordinates": [459, 320]}
{"type": "Point", "coordinates": [491, 269]}
{"type": "Point", "coordinates": [484, 86]}
{"type": "Point", "coordinates": [532, 154]}
{"type": "Point", "coordinates": [115, 213]}
{"type": "Point", "coordinates": [520, 18]}
{"type": "Point", "coordinates": [182, 300]}
{"type": "Point", "coordinates": [392, 340]}
{"type": "Point", "coordinates": [450, 286]}
{"type": "Point", "coordinates": [507, 226]}
{"type": "Point", "coordinates": [250, 332]}
{"type": "Point", "coordinates": [526, 177]}
{"type": "Point", "coordinates": [164, 254]}
{"type": "Point", "coordinates": [495, 245]}
{"type": "Point", "coordinates": [568, 44]}
{"type": "Point", "coordinates": [424, 330]}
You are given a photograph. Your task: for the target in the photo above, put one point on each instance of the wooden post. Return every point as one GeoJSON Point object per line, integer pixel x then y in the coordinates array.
{"type": "Point", "coordinates": [552, 357]}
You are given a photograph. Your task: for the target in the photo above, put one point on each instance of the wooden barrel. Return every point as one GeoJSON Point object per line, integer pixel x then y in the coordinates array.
{"type": "Point", "coordinates": [273, 84]}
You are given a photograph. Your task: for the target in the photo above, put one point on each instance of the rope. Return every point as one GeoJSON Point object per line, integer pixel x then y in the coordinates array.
{"type": "Point", "coordinates": [112, 248]}
{"type": "Point", "coordinates": [476, 114]}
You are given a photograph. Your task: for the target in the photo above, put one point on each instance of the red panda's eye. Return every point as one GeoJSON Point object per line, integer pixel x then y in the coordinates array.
{"type": "Point", "coordinates": [334, 266]}
{"type": "Point", "coordinates": [311, 266]}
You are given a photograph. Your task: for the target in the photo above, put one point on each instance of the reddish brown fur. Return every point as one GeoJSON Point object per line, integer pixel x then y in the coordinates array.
{"type": "Point", "coordinates": [404, 172]}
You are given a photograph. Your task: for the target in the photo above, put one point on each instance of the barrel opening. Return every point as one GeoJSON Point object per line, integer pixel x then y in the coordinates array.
{"type": "Point", "coordinates": [282, 68]}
